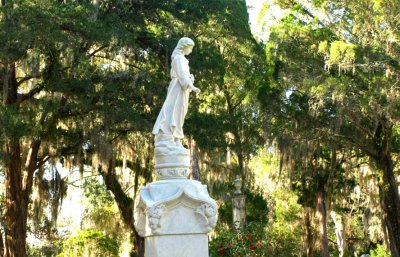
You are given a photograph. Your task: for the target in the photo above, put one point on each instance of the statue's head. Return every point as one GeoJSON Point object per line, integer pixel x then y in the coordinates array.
{"type": "Point", "coordinates": [185, 42]}
{"type": "Point", "coordinates": [185, 45]}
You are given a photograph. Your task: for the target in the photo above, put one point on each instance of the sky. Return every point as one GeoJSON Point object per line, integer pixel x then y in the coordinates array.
{"type": "Point", "coordinates": [254, 7]}
{"type": "Point", "coordinates": [260, 27]}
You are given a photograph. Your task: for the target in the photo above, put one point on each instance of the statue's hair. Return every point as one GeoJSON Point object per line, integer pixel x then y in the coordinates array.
{"type": "Point", "coordinates": [182, 43]}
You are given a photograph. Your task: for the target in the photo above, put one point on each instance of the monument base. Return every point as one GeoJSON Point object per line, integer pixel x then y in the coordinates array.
{"type": "Point", "coordinates": [175, 216]}
{"type": "Point", "coordinates": [188, 245]}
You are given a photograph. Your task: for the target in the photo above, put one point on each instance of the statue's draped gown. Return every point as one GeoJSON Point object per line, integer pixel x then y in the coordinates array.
{"type": "Point", "coordinates": [171, 117]}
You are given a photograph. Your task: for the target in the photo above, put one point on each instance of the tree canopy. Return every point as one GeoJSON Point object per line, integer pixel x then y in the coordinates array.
{"type": "Point", "coordinates": [82, 82]}
{"type": "Point", "coordinates": [333, 72]}
{"type": "Point", "coordinates": [308, 119]}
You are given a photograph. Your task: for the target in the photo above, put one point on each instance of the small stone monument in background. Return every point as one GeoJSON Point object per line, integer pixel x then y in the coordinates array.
{"type": "Point", "coordinates": [175, 214]}
{"type": "Point", "coordinates": [238, 205]}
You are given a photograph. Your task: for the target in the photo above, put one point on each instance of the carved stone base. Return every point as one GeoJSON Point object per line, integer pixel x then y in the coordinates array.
{"type": "Point", "coordinates": [177, 246]}
{"type": "Point", "coordinates": [171, 162]}
{"type": "Point", "coordinates": [172, 173]}
{"type": "Point", "coordinates": [175, 212]}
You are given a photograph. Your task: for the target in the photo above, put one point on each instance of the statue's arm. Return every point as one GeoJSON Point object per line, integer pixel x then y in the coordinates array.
{"type": "Point", "coordinates": [182, 70]}
{"type": "Point", "coordinates": [185, 78]}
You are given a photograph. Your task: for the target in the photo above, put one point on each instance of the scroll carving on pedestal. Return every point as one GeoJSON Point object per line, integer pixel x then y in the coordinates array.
{"type": "Point", "coordinates": [155, 215]}
{"type": "Point", "coordinates": [209, 212]}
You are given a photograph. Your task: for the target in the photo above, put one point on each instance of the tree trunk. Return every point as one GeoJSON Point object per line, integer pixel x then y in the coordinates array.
{"type": "Point", "coordinates": [390, 202]}
{"type": "Point", "coordinates": [241, 168]}
{"type": "Point", "coordinates": [18, 181]}
{"type": "Point", "coordinates": [195, 160]}
{"type": "Point", "coordinates": [1, 245]}
{"type": "Point", "coordinates": [18, 189]}
{"type": "Point", "coordinates": [10, 84]}
{"type": "Point", "coordinates": [16, 207]}
{"type": "Point", "coordinates": [125, 205]}
{"type": "Point", "coordinates": [238, 147]}
{"type": "Point", "coordinates": [309, 232]}
{"type": "Point", "coordinates": [139, 245]}
{"type": "Point", "coordinates": [321, 206]}
{"type": "Point", "coordinates": [385, 233]}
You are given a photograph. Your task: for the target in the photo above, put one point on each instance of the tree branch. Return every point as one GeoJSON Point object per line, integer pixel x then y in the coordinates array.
{"type": "Point", "coordinates": [30, 94]}
{"type": "Point", "coordinates": [97, 50]}
{"type": "Point", "coordinates": [113, 60]}
{"type": "Point", "coordinates": [26, 78]}
{"type": "Point", "coordinates": [39, 163]}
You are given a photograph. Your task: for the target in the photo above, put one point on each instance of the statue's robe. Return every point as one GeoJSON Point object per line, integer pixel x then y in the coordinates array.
{"type": "Point", "coordinates": [171, 117]}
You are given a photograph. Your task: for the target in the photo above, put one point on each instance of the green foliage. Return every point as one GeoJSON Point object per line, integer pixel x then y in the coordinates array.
{"type": "Point", "coordinates": [89, 74]}
{"type": "Point", "coordinates": [34, 252]}
{"type": "Point", "coordinates": [264, 8]}
{"type": "Point", "coordinates": [256, 206]}
{"type": "Point", "coordinates": [278, 237]}
{"type": "Point", "coordinates": [331, 98]}
{"type": "Point", "coordinates": [318, 3]}
{"type": "Point", "coordinates": [89, 243]}
{"type": "Point", "coordinates": [100, 213]}
{"type": "Point", "coordinates": [380, 251]}
{"type": "Point", "coordinates": [342, 53]}
{"type": "Point", "coordinates": [44, 251]}
{"type": "Point", "coordinates": [285, 228]}
{"type": "Point", "coordinates": [209, 130]}
{"type": "Point", "coordinates": [96, 193]}
{"type": "Point", "coordinates": [225, 213]}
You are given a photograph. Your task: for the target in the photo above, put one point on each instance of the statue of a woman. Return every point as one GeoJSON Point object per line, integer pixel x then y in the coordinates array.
{"type": "Point", "coordinates": [168, 127]}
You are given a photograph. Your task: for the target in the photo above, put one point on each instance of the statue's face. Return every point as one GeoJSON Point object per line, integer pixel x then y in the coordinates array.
{"type": "Point", "coordinates": [187, 50]}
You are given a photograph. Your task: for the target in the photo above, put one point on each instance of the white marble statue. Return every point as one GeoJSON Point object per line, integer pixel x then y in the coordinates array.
{"type": "Point", "coordinates": [175, 214]}
{"type": "Point", "coordinates": [168, 127]}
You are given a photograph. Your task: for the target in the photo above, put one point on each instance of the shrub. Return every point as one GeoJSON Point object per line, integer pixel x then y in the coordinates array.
{"type": "Point", "coordinates": [90, 243]}
{"type": "Point", "coordinates": [380, 251]}
{"type": "Point", "coordinates": [250, 241]}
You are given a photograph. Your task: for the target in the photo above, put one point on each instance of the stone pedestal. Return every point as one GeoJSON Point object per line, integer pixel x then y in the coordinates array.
{"type": "Point", "coordinates": [177, 245]}
{"type": "Point", "coordinates": [239, 211]}
{"type": "Point", "coordinates": [238, 205]}
{"type": "Point", "coordinates": [174, 215]}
